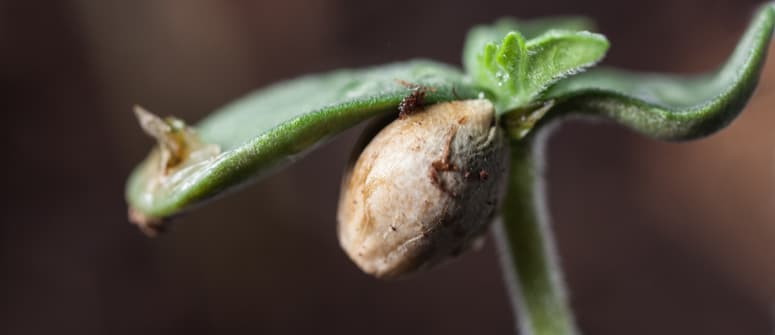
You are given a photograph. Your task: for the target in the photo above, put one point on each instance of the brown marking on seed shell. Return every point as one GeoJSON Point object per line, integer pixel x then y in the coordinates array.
{"type": "Point", "coordinates": [433, 174]}
{"type": "Point", "coordinates": [462, 120]}
{"type": "Point", "coordinates": [483, 175]}
{"type": "Point", "coordinates": [436, 180]}
{"type": "Point", "coordinates": [443, 164]}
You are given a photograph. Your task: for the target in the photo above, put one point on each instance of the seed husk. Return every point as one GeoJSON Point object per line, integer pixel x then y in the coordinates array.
{"type": "Point", "coordinates": [424, 189]}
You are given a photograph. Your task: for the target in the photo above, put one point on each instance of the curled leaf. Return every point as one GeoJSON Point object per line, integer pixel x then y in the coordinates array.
{"type": "Point", "coordinates": [481, 35]}
{"type": "Point", "coordinates": [670, 107]}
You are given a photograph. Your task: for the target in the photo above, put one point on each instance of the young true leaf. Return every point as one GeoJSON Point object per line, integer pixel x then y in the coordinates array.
{"type": "Point", "coordinates": [517, 71]}
{"type": "Point", "coordinates": [480, 36]}
{"type": "Point", "coordinates": [273, 126]}
{"type": "Point", "coordinates": [665, 106]}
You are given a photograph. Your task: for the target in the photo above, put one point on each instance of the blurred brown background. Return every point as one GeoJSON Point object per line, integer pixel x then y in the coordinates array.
{"type": "Point", "coordinates": [656, 238]}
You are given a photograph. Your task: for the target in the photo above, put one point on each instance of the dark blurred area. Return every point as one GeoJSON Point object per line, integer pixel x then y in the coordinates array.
{"type": "Point", "coordinates": [655, 238]}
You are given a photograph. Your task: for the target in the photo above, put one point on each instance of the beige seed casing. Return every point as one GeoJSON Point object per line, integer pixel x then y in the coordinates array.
{"type": "Point", "coordinates": [424, 189]}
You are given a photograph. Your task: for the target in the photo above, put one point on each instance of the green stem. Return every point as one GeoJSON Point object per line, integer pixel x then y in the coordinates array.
{"type": "Point", "coordinates": [528, 254]}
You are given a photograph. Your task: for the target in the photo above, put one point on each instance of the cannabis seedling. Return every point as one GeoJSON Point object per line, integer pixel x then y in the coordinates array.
{"type": "Point", "coordinates": [464, 149]}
